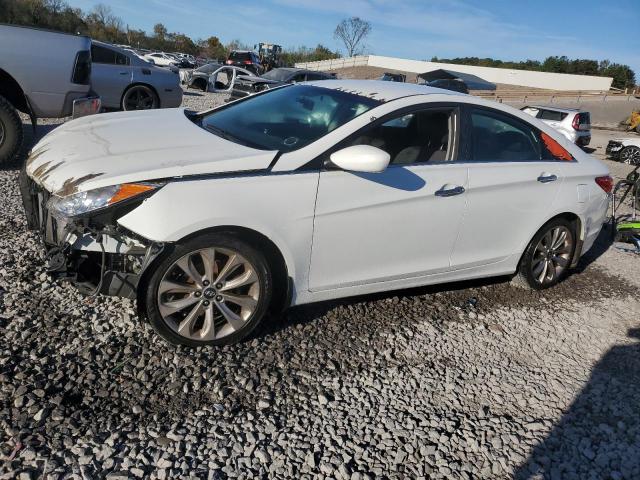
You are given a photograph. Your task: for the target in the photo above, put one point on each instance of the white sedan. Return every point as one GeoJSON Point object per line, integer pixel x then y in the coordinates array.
{"type": "Point", "coordinates": [304, 193]}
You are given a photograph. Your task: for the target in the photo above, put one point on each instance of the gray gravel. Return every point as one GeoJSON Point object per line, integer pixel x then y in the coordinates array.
{"type": "Point", "coordinates": [473, 380]}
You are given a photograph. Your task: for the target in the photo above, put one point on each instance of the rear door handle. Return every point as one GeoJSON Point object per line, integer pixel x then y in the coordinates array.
{"type": "Point", "coordinates": [124, 73]}
{"type": "Point", "coordinates": [449, 191]}
{"type": "Point", "coordinates": [547, 177]}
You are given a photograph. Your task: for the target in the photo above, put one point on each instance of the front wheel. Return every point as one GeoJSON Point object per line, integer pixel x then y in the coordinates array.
{"type": "Point", "coordinates": [630, 155]}
{"type": "Point", "coordinates": [548, 257]}
{"type": "Point", "coordinates": [211, 290]}
{"type": "Point", "coordinates": [140, 97]}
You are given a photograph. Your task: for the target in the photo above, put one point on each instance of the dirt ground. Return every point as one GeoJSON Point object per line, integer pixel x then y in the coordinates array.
{"type": "Point", "coordinates": [473, 380]}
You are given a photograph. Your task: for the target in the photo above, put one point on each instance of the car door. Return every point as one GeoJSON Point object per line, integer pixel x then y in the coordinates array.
{"type": "Point", "coordinates": [110, 74]}
{"type": "Point", "coordinates": [401, 223]}
{"type": "Point", "coordinates": [513, 181]}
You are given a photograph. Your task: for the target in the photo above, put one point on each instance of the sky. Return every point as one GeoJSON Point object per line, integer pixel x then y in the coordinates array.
{"type": "Point", "coordinates": [416, 29]}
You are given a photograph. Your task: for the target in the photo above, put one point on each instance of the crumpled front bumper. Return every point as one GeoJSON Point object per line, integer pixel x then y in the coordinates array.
{"type": "Point", "coordinates": [613, 149]}
{"type": "Point", "coordinates": [96, 259]}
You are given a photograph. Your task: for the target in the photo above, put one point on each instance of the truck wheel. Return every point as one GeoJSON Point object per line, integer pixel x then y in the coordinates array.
{"type": "Point", "coordinates": [140, 97]}
{"type": "Point", "coordinates": [11, 134]}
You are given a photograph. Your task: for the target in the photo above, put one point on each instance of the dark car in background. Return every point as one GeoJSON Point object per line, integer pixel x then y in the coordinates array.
{"type": "Point", "coordinates": [449, 84]}
{"type": "Point", "coordinates": [245, 59]}
{"type": "Point", "coordinates": [245, 85]}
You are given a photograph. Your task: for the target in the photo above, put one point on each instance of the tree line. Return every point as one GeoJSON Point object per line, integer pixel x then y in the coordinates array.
{"type": "Point", "coordinates": [101, 24]}
{"type": "Point", "coordinates": [623, 76]}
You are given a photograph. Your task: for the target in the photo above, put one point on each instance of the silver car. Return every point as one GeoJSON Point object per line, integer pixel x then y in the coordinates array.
{"type": "Point", "coordinates": [125, 81]}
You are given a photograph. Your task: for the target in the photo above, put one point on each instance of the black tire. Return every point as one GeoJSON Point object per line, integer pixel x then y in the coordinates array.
{"type": "Point", "coordinates": [531, 257]}
{"type": "Point", "coordinates": [217, 241]}
{"type": "Point", "coordinates": [150, 98]}
{"type": "Point", "coordinates": [11, 133]}
{"type": "Point", "coordinates": [630, 155]}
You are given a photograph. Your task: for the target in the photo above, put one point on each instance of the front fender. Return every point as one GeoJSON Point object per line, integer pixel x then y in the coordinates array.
{"type": "Point", "coordinates": [278, 206]}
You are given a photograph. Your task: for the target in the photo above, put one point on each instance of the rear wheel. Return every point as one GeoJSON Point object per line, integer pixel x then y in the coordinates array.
{"type": "Point", "coordinates": [211, 290]}
{"type": "Point", "coordinates": [11, 134]}
{"type": "Point", "coordinates": [630, 155]}
{"type": "Point", "coordinates": [140, 97]}
{"type": "Point", "coordinates": [548, 257]}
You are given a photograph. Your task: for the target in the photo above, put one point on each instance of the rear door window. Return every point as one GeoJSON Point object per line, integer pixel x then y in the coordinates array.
{"type": "Point", "coordinates": [498, 137]}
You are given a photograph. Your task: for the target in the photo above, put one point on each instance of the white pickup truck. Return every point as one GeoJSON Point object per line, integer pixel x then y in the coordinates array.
{"type": "Point", "coordinates": [42, 74]}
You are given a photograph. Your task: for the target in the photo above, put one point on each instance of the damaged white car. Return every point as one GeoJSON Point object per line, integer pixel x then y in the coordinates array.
{"type": "Point", "coordinates": [304, 193]}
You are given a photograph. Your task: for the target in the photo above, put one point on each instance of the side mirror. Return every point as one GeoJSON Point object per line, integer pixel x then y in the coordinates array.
{"type": "Point", "coordinates": [361, 158]}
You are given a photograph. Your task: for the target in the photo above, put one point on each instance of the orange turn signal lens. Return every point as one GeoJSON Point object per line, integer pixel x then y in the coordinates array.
{"type": "Point", "coordinates": [129, 190]}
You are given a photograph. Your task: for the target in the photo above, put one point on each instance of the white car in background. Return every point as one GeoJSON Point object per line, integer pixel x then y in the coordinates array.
{"type": "Point", "coordinates": [572, 123]}
{"type": "Point", "coordinates": [209, 219]}
{"type": "Point", "coordinates": [161, 59]}
{"type": "Point", "coordinates": [625, 150]}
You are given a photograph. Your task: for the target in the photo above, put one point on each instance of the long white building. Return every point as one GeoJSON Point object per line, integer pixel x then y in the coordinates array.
{"type": "Point", "coordinates": [507, 76]}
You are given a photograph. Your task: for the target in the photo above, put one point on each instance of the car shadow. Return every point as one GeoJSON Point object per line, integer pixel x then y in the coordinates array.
{"type": "Point", "coordinates": [599, 435]}
{"type": "Point", "coordinates": [588, 149]}
{"type": "Point", "coordinates": [303, 314]}
{"type": "Point", "coordinates": [600, 246]}
{"type": "Point", "coordinates": [188, 93]}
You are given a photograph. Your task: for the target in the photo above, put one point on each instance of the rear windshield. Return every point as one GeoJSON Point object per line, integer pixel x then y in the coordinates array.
{"type": "Point", "coordinates": [287, 118]}
{"type": "Point", "coordinates": [585, 117]}
{"type": "Point", "coordinates": [551, 115]}
{"type": "Point", "coordinates": [240, 56]}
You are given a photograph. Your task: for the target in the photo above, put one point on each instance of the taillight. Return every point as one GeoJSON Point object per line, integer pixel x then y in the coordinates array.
{"type": "Point", "coordinates": [605, 183]}
{"type": "Point", "coordinates": [576, 122]}
{"type": "Point", "coordinates": [82, 68]}
{"type": "Point", "coordinates": [229, 62]}
{"type": "Point", "coordinates": [247, 62]}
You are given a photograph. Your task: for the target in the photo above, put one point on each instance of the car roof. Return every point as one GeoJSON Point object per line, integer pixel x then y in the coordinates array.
{"type": "Point", "coordinates": [555, 109]}
{"type": "Point", "coordinates": [380, 89]}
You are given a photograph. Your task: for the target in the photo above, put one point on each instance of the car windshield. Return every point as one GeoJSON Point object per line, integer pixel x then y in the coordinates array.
{"type": "Point", "coordinates": [286, 119]}
{"type": "Point", "coordinates": [278, 74]}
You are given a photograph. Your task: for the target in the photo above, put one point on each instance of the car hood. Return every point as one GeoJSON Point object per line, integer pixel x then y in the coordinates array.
{"type": "Point", "coordinates": [113, 148]}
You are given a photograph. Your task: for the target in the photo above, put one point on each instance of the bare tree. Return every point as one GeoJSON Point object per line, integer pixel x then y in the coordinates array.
{"type": "Point", "coordinates": [352, 31]}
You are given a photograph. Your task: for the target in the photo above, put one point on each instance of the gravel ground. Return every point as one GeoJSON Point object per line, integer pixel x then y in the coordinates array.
{"type": "Point", "coordinates": [472, 380]}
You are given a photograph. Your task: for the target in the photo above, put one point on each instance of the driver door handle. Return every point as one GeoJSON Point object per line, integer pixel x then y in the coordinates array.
{"type": "Point", "coordinates": [449, 191]}
{"type": "Point", "coordinates": [547, 177]}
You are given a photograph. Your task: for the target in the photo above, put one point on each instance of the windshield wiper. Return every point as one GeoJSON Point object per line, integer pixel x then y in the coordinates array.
{"type": "Point", "coordinates": [232, 138]}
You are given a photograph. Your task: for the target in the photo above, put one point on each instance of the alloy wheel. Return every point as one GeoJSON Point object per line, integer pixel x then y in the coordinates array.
{"type": "Point", "coordinates": [208, 294]}
{"type": "Point", "coordinates": [630, 155]}
{"type": "Point", "coordinates": [139, 98]}
{"type": "Point", "coordinates": [552, 255]}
